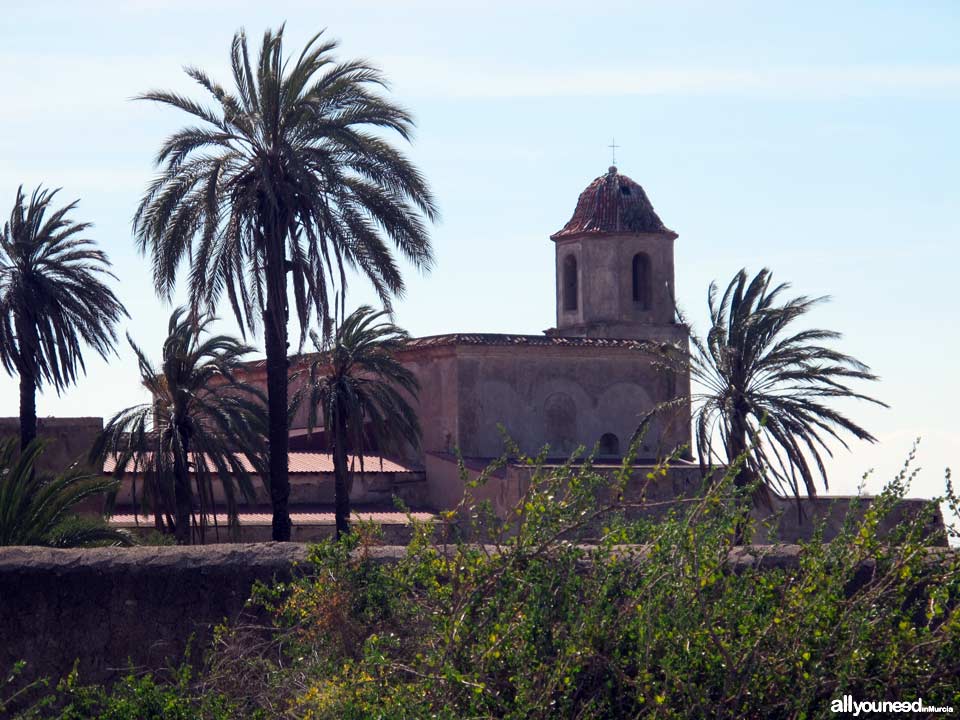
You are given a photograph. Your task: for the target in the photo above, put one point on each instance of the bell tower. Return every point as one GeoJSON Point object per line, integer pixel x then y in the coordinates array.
{"type": "Point", "coordinates": [614, 265]}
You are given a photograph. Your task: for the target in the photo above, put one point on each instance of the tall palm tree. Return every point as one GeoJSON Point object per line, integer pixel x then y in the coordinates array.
{"type": "Point", "coordinates": [359, 392]}
{"type": "Point", "coordinates": [287, 179]}
{"type": "Point", "coordinates": [200, 419]}
{"type": "Point", "coordinates": [37, 510]}
{"type": "Point", "coordinates": [53, 300]}
{"type": "Point", "coordinates": [766, 386]}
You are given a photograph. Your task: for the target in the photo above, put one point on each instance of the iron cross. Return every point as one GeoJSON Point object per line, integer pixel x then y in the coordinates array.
{"type": "Point", "coordinates": [613, 150]}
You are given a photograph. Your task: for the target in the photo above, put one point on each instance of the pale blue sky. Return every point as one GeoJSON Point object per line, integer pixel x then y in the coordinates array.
{"type": "Point", "coordinates": [818, 139]}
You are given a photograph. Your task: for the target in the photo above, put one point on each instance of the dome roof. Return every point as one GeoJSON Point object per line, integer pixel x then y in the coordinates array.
{"type": "Point", "coordinates": [613, 203]}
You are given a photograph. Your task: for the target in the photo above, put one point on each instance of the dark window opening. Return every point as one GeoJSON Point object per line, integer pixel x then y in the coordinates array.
{"type": "Point", "coordinates": [624, 190]}
{"type": "Point", "coordinates": [609, 445]}
{"type": "Point", "coordinates": [641, 280]}
{"type": "Point", "coordinates": [570, 283]}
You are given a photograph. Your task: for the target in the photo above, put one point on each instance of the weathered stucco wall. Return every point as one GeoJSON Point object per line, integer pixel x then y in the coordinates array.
{"type": "Point", "coordinates": [559, 396]}
{"type": "Point", "coordinates": [605, 305]}
{"type": "Point", "coordinates": [436, 403]}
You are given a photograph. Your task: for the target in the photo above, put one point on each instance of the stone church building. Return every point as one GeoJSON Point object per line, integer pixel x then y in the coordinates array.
{"type": "Point", "coordinates": [585, 382]}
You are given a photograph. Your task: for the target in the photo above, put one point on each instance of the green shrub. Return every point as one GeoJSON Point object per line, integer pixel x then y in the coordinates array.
{"type": "Point", "coordinates": [134, 697]}
{"type": "Point", "coordinates": [662, 619]}
{"type": "Point", "coordinates": [531, 624]}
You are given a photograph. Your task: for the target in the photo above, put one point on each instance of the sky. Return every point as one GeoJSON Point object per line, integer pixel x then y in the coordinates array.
{"type": "Point", "coordinates": [817, 139]}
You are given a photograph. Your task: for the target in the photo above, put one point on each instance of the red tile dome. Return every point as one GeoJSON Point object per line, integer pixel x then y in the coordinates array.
{"type": "Point", "coordinates": [613, 203]}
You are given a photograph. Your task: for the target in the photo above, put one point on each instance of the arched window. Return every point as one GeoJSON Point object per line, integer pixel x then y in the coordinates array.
{"type": "Point", "coordinates": [570, 283]}
{"type": "Point", "coordinates": [641, 280]}
{"type": "Point", "coordinates": [609, 445]}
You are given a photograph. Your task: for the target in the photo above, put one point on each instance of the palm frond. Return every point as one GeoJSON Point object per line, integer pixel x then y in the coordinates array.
{"type": "Point", "coordinates": [36, 509]}
{"type": "Point", "coordinates": [203, 421]}
{"type": "Point", "coordinates": [766, 387]}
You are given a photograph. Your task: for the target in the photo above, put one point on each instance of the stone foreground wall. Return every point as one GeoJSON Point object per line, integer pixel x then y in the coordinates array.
{"type": "Point", "coordinates": [110, 607]}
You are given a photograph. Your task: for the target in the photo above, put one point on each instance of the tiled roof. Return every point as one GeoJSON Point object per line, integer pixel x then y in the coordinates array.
{"type": "Point", "coordinates": [613, 203]}
{"type": "Point", "coordinates": [506, 339]}
{"type": "Point", "coordinates": [493, 339]}
{"type": "Point", "coordinates": [264, 517]}
{"type": "Point", "coordinates": [299, 462]}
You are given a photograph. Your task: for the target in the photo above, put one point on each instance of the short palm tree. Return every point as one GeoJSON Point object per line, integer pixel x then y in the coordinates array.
{"type": "Point", "coordinates": [202, 421]}
{"type": "Point", "coordinates": [288, 178]}
{"type": "Point", "coordinates": [361, 395]}
{"type": "Point", "coordinates": [766, 386]}
{"type": "Point", "coordinates": [38, 510]}
{"type": "Point", "coordinates": [53, 300]}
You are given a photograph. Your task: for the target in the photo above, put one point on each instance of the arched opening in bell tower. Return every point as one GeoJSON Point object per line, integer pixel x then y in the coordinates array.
{"type": "Point", "coordinates": [570, 283]}
{"type": "Point", "coordinates": [641, 280]}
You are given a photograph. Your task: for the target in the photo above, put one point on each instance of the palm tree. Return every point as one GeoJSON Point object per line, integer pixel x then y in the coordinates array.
{"type": "Point", "coordinates": [358, 390]}
{"type": "Point", "coordinates": [289, 175]}
{"type": "Point", "coordinates": [766, 386]}
{"type": "Point", "coordinates": [36, 510]}
{"type": "Point", "coordinates": [199, 419]}
{"type": "Point", "coordinates": [53, 300]}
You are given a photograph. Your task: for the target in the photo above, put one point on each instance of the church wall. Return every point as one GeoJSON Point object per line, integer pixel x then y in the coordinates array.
{"type": "Point", "coordinates": [605, 306]}
{"type": "Point", "coordinates": [436, 403]}
{"type": "Point", "coordinates": [435, 370]}
{"type": "Point", "coordinates": [659, 249]}
{"type": "Point", "coordinates": [563, 397]}
{"type": "Point", "coordinates": [502, 489]}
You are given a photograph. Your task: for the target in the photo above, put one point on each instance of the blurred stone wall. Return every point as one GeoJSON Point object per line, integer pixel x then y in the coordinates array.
{"type": "Point", "coordinates": [68, 439]}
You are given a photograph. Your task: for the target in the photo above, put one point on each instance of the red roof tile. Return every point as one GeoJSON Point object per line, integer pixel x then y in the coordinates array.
{"type": "Point", "coordinates": [299, 462]}
{"type": "Point", "coordinates": [297, 518]}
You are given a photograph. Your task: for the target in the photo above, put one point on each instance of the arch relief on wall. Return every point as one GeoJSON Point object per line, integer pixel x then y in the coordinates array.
{"type": "Point", "coordinates": [560, 420]}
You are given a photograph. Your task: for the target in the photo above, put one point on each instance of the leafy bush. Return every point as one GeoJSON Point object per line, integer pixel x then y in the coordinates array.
{"type": "Point", "coordinates": [132, 698]}
{"type": "Point", "coordinates": [663, 619]}
{"type": "Point", "coordinates": [531, 624]}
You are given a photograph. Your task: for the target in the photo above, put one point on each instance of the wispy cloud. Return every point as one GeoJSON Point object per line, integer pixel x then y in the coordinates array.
{"type": "Point", "coordinates": [38, 84]}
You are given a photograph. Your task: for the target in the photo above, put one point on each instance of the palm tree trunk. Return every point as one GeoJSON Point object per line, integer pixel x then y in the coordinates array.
{"type": "Point", "coordinates": [737, 452]}
{"type": "Point", "coordinates": [341, 489]}
{"type": "Point", "coordinates": [28, 407]}
{"type": "Point", "coordinates": [275, 330]}
{"type": "Point", "coordinates": [738, 443]}
{"type": "Point", "coordinates": [181, 498]}
{"type": "Point", "coordinates": [181, 492]}
{"type": "Point", "coordinates": [28, 384]}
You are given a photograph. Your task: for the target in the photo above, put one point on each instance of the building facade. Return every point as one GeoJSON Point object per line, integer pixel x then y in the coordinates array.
{"type": "Point", "coordinates": [588, 382]}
